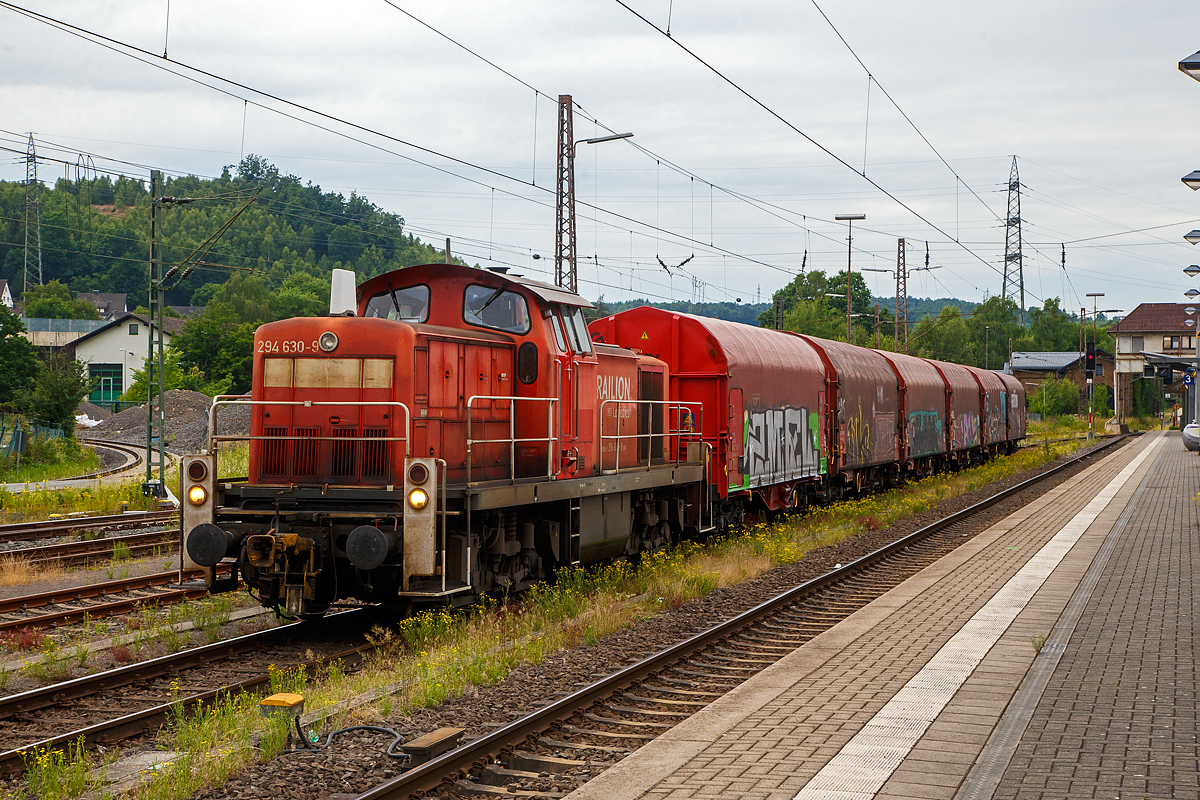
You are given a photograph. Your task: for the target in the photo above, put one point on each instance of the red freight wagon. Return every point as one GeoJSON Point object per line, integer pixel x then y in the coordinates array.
{"type": "Point", "coordinates": [1016, 407]}
{"type": "Point", "coordinates": [772, 387]}
{"type": "Point", "coordinates": [995, 405]}
{"type": "Point", "coordinates": [867, 403]}
{"type": "Point", "coordinates": [922, 409]}
{"type": "Point", "coordinates": [962, 397]}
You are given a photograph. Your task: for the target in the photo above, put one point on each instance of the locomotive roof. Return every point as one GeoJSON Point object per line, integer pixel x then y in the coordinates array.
{"type": "Point", "coordinates": [551, 294]}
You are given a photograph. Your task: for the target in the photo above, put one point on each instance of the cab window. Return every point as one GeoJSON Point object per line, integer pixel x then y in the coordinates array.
{"type": "Point", "coordinates": [556, 326]}
{"type": "Point", "coordinates": [576, 327]}
{"type": "Point", "coordinates": [409, 304]}
{"type": "Point", "coordinates": [498, 308]}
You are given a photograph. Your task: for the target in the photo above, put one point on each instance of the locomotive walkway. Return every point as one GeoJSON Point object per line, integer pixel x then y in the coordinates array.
{"type": "Point", "coordinates": [936, 689]}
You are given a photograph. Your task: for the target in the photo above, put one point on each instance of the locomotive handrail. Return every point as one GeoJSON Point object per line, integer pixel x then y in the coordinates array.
{"type": "Point", "coordinates": [550, 439]}
{"type": "Point", "coordinates": [243, 400]}
{"type": "Point", "coordinates": [695, 433]}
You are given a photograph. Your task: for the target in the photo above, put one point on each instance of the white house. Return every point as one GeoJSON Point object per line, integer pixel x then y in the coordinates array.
{"type": "Point", "coordinates": [115, 350]}
{"type": "Point", "coordinates": [6, 295]}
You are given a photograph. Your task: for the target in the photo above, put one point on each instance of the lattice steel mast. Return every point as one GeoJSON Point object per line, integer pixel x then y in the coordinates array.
{"type": "Point", "coordinates": [565, 273]}
{"type": "Point", "coordinates": [33, 216]}
{"type": "Point", "coordinates": [901, 315]}
{"type": "Point", "coordinates": [1014, 273]}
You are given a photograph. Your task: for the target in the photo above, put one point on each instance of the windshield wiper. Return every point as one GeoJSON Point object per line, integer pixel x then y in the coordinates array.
{"type": "Point", "coordinates": [395, 302]}
{"type": "Point", "coordinates": [488, 302]}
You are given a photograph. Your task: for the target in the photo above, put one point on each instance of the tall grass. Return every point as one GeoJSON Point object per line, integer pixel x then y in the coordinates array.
{"type": "Point", "coordinates": [99, 498]}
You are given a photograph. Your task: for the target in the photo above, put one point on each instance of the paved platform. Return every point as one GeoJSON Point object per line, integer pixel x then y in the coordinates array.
{"type": "Point", "coordinates": [936, 690]}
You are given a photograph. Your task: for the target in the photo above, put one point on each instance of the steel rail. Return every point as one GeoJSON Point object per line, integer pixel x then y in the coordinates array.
{"type": "Point", "coordinates": [13, 761]}
{"type": "Point", "coordinates": [99, 610]}
{"type": "Point", "coordinates": [120, 447]}
{"type": "Point", "coordinates": [454, 764]}
{"type": "Point", "coordinates": [25, 602]}
{"type": "Point", "coordinates": [81, 552]}
{"type": "Point", "coordinates": [46, 529]}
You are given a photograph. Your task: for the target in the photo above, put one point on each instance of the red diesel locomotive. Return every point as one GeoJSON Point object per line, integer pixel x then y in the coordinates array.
{"type": "Point", "coordinates": [449, 431]}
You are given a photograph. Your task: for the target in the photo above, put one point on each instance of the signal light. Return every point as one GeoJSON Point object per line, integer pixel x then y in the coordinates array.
{"type": "Point", "coordinates": [197, 495]}
{"type": "Point", "coordinates": [418, 498]}
{"type": "Point", "coordinates": [418, 473]}
{"type": "Point", "coordinates": [197, 470]}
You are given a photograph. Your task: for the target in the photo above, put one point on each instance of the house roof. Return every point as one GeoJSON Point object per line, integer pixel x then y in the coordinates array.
{"type": "Point", "coordinates": [171, 326]}
{"type": "Point", "coordinates": [1044, 361]}
{"type": "Point", "coordinates": [1158, 318]}
{"type": "Point", "coordinates": [106, 302]}
{"type": "Point", "coordinates": [1047, 362]}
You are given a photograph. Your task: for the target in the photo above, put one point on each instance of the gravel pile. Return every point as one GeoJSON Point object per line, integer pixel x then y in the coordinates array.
{"type": "Point", "coordinates": [94, 411]}
{"type": "Point", "coordinates": [186, 415]}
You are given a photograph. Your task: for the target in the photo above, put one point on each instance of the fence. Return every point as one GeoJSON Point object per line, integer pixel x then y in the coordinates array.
{"type": "Point", "coordinates": [46, 325]}
{"type": "Point", "coordinates": [15, 433]}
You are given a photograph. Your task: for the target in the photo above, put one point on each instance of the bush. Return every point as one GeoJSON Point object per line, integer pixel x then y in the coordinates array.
{"type": "Point", "coordinates": [1055, 397]}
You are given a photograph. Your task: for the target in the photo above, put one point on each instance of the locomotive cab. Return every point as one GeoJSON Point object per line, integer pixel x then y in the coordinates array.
{"type": "Point", "coordinates": [448, 434]}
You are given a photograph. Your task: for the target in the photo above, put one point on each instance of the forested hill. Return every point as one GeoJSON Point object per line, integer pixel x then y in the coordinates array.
{"type": "Point", "coordinates": [734, 312]}
{"type": "Point", "coordinates": [95, 233]}
{"type": "Point", "coordinates": [920, 307]}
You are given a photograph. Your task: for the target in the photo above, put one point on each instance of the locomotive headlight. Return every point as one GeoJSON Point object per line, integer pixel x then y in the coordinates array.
{"type": "Point", "coordinates": [197, 495]}
{"type": "Point", "coordinates": [418, 498]}
{"type": "Point", "coordinates": [328, 341]}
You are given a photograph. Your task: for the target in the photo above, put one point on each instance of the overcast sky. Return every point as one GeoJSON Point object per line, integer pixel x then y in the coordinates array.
{"type": "Point", "coordinates": [1086, 95]}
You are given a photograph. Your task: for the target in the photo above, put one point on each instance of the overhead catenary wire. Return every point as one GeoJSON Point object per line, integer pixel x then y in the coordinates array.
{"type": "Point", "coordinates": [754, 99]}
{"type": "Point", "coordinates": [144, 56]}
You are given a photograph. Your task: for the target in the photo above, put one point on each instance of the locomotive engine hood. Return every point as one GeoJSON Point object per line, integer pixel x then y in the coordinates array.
{"type": "Point", "coordinates": [332, 401]}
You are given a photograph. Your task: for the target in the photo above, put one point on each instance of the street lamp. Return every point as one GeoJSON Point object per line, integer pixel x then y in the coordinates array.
{"type": "Point", "coordinates": [1091, 392]}
{"type": "Point", "coordinates": [1192, 237]}
{"type": "Point", "coordinates": [849, 220]}
{"type": "Point", "coordinates": [1192, 180]}
{"type": "Point", "coordinates": [124, 382]}
{"type": "Point", "coordinates": [1191, 65]}
{"type": "Point", "coordinates": [1192, 271]}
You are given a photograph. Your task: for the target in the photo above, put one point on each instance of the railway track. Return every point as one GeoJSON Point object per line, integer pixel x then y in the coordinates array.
{"type": "Point", "coordinates": [95, 601]}
{"type": "Point", "coordinates": [55, 528]}
{"type": "Point", "coordinates": [88, 551]}
{"type": "Point", "coordinates": [628, 708]}
{"type": "Point", "coordinates": [599, 722]}
{"type": "Point", "coordinates": [153, 686]}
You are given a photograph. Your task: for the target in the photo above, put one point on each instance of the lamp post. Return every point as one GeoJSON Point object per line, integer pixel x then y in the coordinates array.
{"type": "Point", "coordinates": [124, 382]}
{"type": "Point", "coordinates": [1090, 391]}
{"type": "Point", "coordinates": [849, 220]}
{"type": "Point", "coordinates": [1192, 271]}
{"type": "Point", "coordinates": [565, 266]}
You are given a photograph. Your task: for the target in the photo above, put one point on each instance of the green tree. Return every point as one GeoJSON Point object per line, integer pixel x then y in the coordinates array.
{"type": "Point", "coordinates": [944, 337]}
{"type": "Point", "coordinates": [53, 300]}
{"type": "Point", "coordinates": [1055, 397]}
{"type": "Point", "coordinates": [994, 323]}
{"type": "Point", "coordinates": [810, 305]}
{"type": "Point", "coordinates": [176, 377]}
{"type": "Point", "coordinates": [61, 383]}
{"type": "Point", "coordinates": [1050, 329]}
{"type": "Point", "coordinates": [18, 360]}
